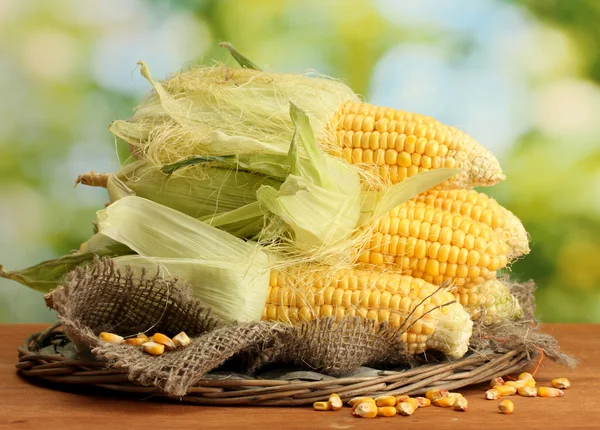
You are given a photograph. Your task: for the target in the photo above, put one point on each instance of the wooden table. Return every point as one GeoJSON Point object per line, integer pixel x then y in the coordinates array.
{"type": "Point", "coordinates": [25, 404]}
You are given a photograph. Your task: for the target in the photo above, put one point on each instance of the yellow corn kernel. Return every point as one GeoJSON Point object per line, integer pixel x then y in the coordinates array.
{"type": "Point", "coordinates": [143, 336]}
{"type": "Point", "coordinates": [550, 392]}
{"type": "Point", "coordinates": [529, 383]}
{"type": "Point", "coordinates": [153, 348]}
{"type": "Point", "coordinates": [111, 338]}
{"type": "Point", "coordinates": [496, 381]}
{"type": "Point", "coordinates": [460, 404]}
{"type": "Point", "coordinates": [365, 410]}
{"type": "Point", "coordinates": [506, 407]}
{"type": "Point", "coordinates": [445, 402]}
{"type": "Point", "coordinates": [406, 408]}
{"type": "Point", "coordinates": [433, 395]}
{"type": "Point", "coordinates": [525, 376]}
{"type": "Point", "coordinates": [335, 402]}
{"type": "Point", "coordinates": [163, 340]}
{"type": "Point", "coordinates": [386, 411]}
{"type": "Point", "coordinates": [516, 384]}
{"type": "Point", "coordinates": [423, 401]}
{"type": "Point", "coordinates": [561, 383]}
{"type": "Point", "coordinates": [181, 340]}
{"type": "Point", "coordinates": [455, 395]}
{"type": "Point", "coordinates": [527, 391]}
{"type": "Point", "coordinates": [135, 341]}
{"type": "Point", "coordinates": [382, 401]}
{"type": "Point", "coordinates": [322, 406]}
{"type": "Point", "coordinates": [358, 400]}
{"type": "Point", "coordinates": [401, 398]}
{"type": "Point", "coordinates": [505, 390]}
{"type": "Point", "coordinates": [492, 394]}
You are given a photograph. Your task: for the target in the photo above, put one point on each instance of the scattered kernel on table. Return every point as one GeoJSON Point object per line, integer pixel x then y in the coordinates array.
{"type": "Point", "coordinates": [111, 338]}
{"type": "Point", "coordinates": [335, 402]}
{"type": "Point", "coordinates": [358, 400]}
{"type": "Point", "coordinates": [153, 348]}
{"type": "Point", "coordinates": [505, 390]}
{"type": "Point", "coordinates": [436, 394]}
{"type": "Point", "coordinates": [527, 391]}
{"type": "Point", "coordinates": [444, 402]}
{"type": "Point", "coordinates": [550, 392]}
{"type": "Point", "coordinates": [492, 394]}
{"type": "Point", "coordinates": [382, 401]}
{"type": "Point", "coordinates": [525, 376]}
{"type": "Point", "coordinates": [460, 404]}
{"type": "Point", "coordinates": [143, 336]}
{"type": "Point", "coordinates": [163, 340]}
{"type": "Point", "coordinates": [406, 408]}
{"type": "Point", "coordinates": [506, 407]}
{"type": "Point", "coordinates": [455, 395]}
{"type": "Point", "coordinates": [496, 381]}
{"type": "Point", "coordinates": [401, 398]}
{"type": "Point", "coordinates": [386, 411]}
{"type": "Point", "coordinates": [322, 406]}
{"type": "Point", "coordinates": [516, 384]}
{"type": "Point", "coordinates": [561, 383]}
{"type": "Point", "coordinates": [365, 410]}
{"type": "Point", "coordinates": [181, 340]}
{"type": "Point", "coordinates": [423, 402]}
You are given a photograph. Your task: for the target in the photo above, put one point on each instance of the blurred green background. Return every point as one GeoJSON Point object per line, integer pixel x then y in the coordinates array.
{"type": "Point", "coordinates": [521, 76]}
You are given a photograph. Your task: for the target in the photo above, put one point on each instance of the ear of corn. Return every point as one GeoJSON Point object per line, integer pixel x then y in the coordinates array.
{"type": "Point", "coordinates": [397, 144]}
{"type": "Point", "coordinates": [480, 207]}
{"type": "Point", "coordinates": [400, 301]}
{"type": "Point", "coordinates": [493, 300]}
{"type": "Point", "coordinates": [435, 245]}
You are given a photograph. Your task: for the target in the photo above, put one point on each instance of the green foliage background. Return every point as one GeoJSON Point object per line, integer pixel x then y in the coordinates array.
{"type": "Point", "coordinates": [521, 76]}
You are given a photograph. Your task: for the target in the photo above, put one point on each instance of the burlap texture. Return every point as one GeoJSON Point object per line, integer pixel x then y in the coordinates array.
{"type": "Point", "coordinates": [100, 298]}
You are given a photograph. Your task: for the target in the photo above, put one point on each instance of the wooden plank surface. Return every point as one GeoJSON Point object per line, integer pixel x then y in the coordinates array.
{"type": "Point", "coordinates": [25, 404]}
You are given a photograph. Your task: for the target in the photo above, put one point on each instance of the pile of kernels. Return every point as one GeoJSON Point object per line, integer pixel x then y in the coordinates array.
{"type": "Point", "coordinates": [156, 345]}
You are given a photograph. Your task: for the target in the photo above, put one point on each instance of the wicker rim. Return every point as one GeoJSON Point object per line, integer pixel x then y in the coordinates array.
{"type": "Point", "coordinates": [474, 369]}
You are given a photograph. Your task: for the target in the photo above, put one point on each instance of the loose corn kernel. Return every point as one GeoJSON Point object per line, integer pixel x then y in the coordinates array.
{"type": "Point", "coordinates": [423, 402]}
{"type": "Point", "coordinates": [135, 341]}
{"type": "Point", "coordinates": [527, 391]}
{"type": "Point", "coordinates": [143, 336]}
{"type": "Point", "coordinates": [562, 383]}
{"type": "Point", "coordinates": [525, 376]}
{"type": "Point", "coordinates": [164, 340]}
{"type": "Point", "coordinates": [455, 395]}
{"type": "Point", "coordinates": [335, 402]}
{"type": "Point", "coordinates": [181, 340]}
{"type": "Point", "coordinates": [460, 404]}
{"type": "Point", "coordinates": [529, 383]}
{"type": "Point", "coordinates": [386, 411]}
{"type": "Point", "coordinates": [550, 392]}
{"type": "Point", "coordinates": [382, 401]}
{"type": "Point", "coordinates": [322, 406]}
{"type": "Point", "coordinates": [505, 390]}
{"type": "Point", "coordinates": [111, 338]}
{"type": "Point", "coordinates": [496, 381]}
{"type": "Point", "coordinates": [153, 348]}
{"type": "Point", "coordinates": [506, 407]}
{"type": "Point", "coordinates": [432, 395]}
{"type": "Point", "coordinates": [365, 410]}
{"type": "Point", "coordinates": [445, 402]}
{"type": "Point", "coordinates": [401, 398]}
{"type": "Point", "coordinates": [492, 394]}
{"type": "Point", "coordinates": [358, 400]}
{"type": "Point", "coordinates": [406, 408]}
{"type": "Point", "coordinates": [516, 384]}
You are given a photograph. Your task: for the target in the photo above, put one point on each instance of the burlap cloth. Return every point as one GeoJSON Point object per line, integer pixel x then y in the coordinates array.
{"type": "Point", "coordinates": [100, 298]}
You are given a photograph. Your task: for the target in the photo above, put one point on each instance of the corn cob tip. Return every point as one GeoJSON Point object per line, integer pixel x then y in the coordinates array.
{"type": "Point", "coordinates": [453, 332]}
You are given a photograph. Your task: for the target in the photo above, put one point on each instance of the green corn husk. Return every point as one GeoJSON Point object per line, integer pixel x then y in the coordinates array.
{"type": "Point", "coordinates": [48, 275]}
{"type": "Point", "coordinates": [224, 271]}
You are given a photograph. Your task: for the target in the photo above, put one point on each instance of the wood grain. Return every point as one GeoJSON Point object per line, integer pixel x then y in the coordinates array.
{"type": "Point", "coordinates": [25, 404]}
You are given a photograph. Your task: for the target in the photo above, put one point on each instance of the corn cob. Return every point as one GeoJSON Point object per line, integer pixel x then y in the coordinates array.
{"type": "Point", "coordinates": [397, 144]}
{"type": "Point", "coordinates": [435, 245]}
{"type": "Point", "coordinates": [401, 301]}
{"type": "Point", "coordinates": [481, 207]}
{"type": "Point", "coordinates": [492, 300]}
